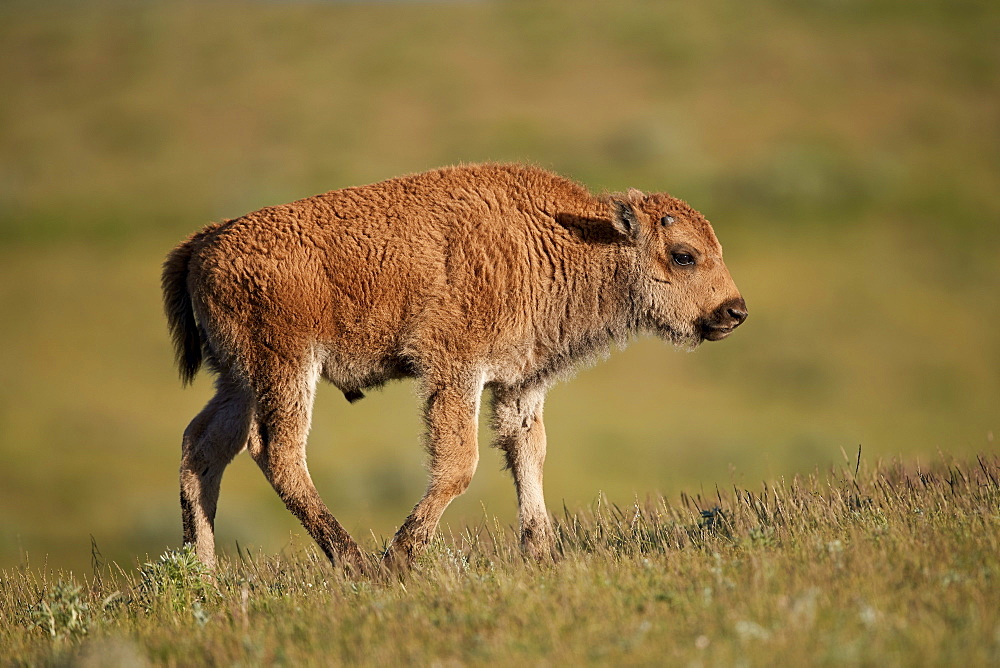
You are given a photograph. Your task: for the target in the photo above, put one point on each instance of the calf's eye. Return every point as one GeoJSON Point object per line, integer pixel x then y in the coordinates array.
{"type": "Point", "coordinates": [683, 259]}
{"type": "Point", "coordinates": [667, 220]}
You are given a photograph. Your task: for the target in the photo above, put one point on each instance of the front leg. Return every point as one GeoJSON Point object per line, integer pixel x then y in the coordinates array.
{"type": "Point", "coordinates": [452, 415]}
{"type": "Point", "coordinates": [517, 419]}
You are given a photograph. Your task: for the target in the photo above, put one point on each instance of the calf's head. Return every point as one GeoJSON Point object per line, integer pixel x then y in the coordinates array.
{"type": "Point", "coordinates": [684, 291]}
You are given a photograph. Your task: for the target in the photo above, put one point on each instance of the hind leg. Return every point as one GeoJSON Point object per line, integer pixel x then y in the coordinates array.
{"type": "Point", "coordinates": [284, 412]}
{"type": "Point", "coordinates": [216, 435]}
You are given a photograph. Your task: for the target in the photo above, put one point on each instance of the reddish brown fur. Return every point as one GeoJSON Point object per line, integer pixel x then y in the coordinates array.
{"type": "Point", "coordinates": [499, 276]}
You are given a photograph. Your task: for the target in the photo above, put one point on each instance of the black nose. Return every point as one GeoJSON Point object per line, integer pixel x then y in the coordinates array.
{"type": "Point", "coordinates": [723, 320]}
{"type": "Point", "coordinates": [737, 310]}
{"type": "Point", "coordinates": [739, 314]}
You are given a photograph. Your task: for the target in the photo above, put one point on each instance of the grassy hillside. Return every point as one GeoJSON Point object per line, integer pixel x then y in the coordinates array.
{"type": "Point", "coordinates": [893, 564]}
{"type": "Point", "coordinates": [846, 152]}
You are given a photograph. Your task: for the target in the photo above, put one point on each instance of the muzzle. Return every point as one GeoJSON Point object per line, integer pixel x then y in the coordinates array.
{"type": "Point", "coordinates": [723, 320]}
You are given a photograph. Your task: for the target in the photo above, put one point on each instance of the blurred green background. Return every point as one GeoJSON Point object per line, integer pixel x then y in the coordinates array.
{"type": "Point", "coordinates": [847, 153]}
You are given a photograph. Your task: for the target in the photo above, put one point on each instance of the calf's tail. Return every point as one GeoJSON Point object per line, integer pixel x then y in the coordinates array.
{"type": "Point", "coordinates": [179, 311]}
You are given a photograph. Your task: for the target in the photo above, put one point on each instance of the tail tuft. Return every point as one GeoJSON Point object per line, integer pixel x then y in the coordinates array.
{"type": "Point", "coordinates": [180, 313]}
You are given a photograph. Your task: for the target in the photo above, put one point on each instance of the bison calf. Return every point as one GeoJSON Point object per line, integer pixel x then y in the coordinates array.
{"type": "Point", "coordinates": [471, 277]}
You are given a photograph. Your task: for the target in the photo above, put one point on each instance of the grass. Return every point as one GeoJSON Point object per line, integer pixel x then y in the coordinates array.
{"type": "Point", "coordinates": [895, 561]}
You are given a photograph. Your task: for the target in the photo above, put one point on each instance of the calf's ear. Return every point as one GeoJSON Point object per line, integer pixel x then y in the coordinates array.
{"type": "Point", "coordinates": [624, 218]}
